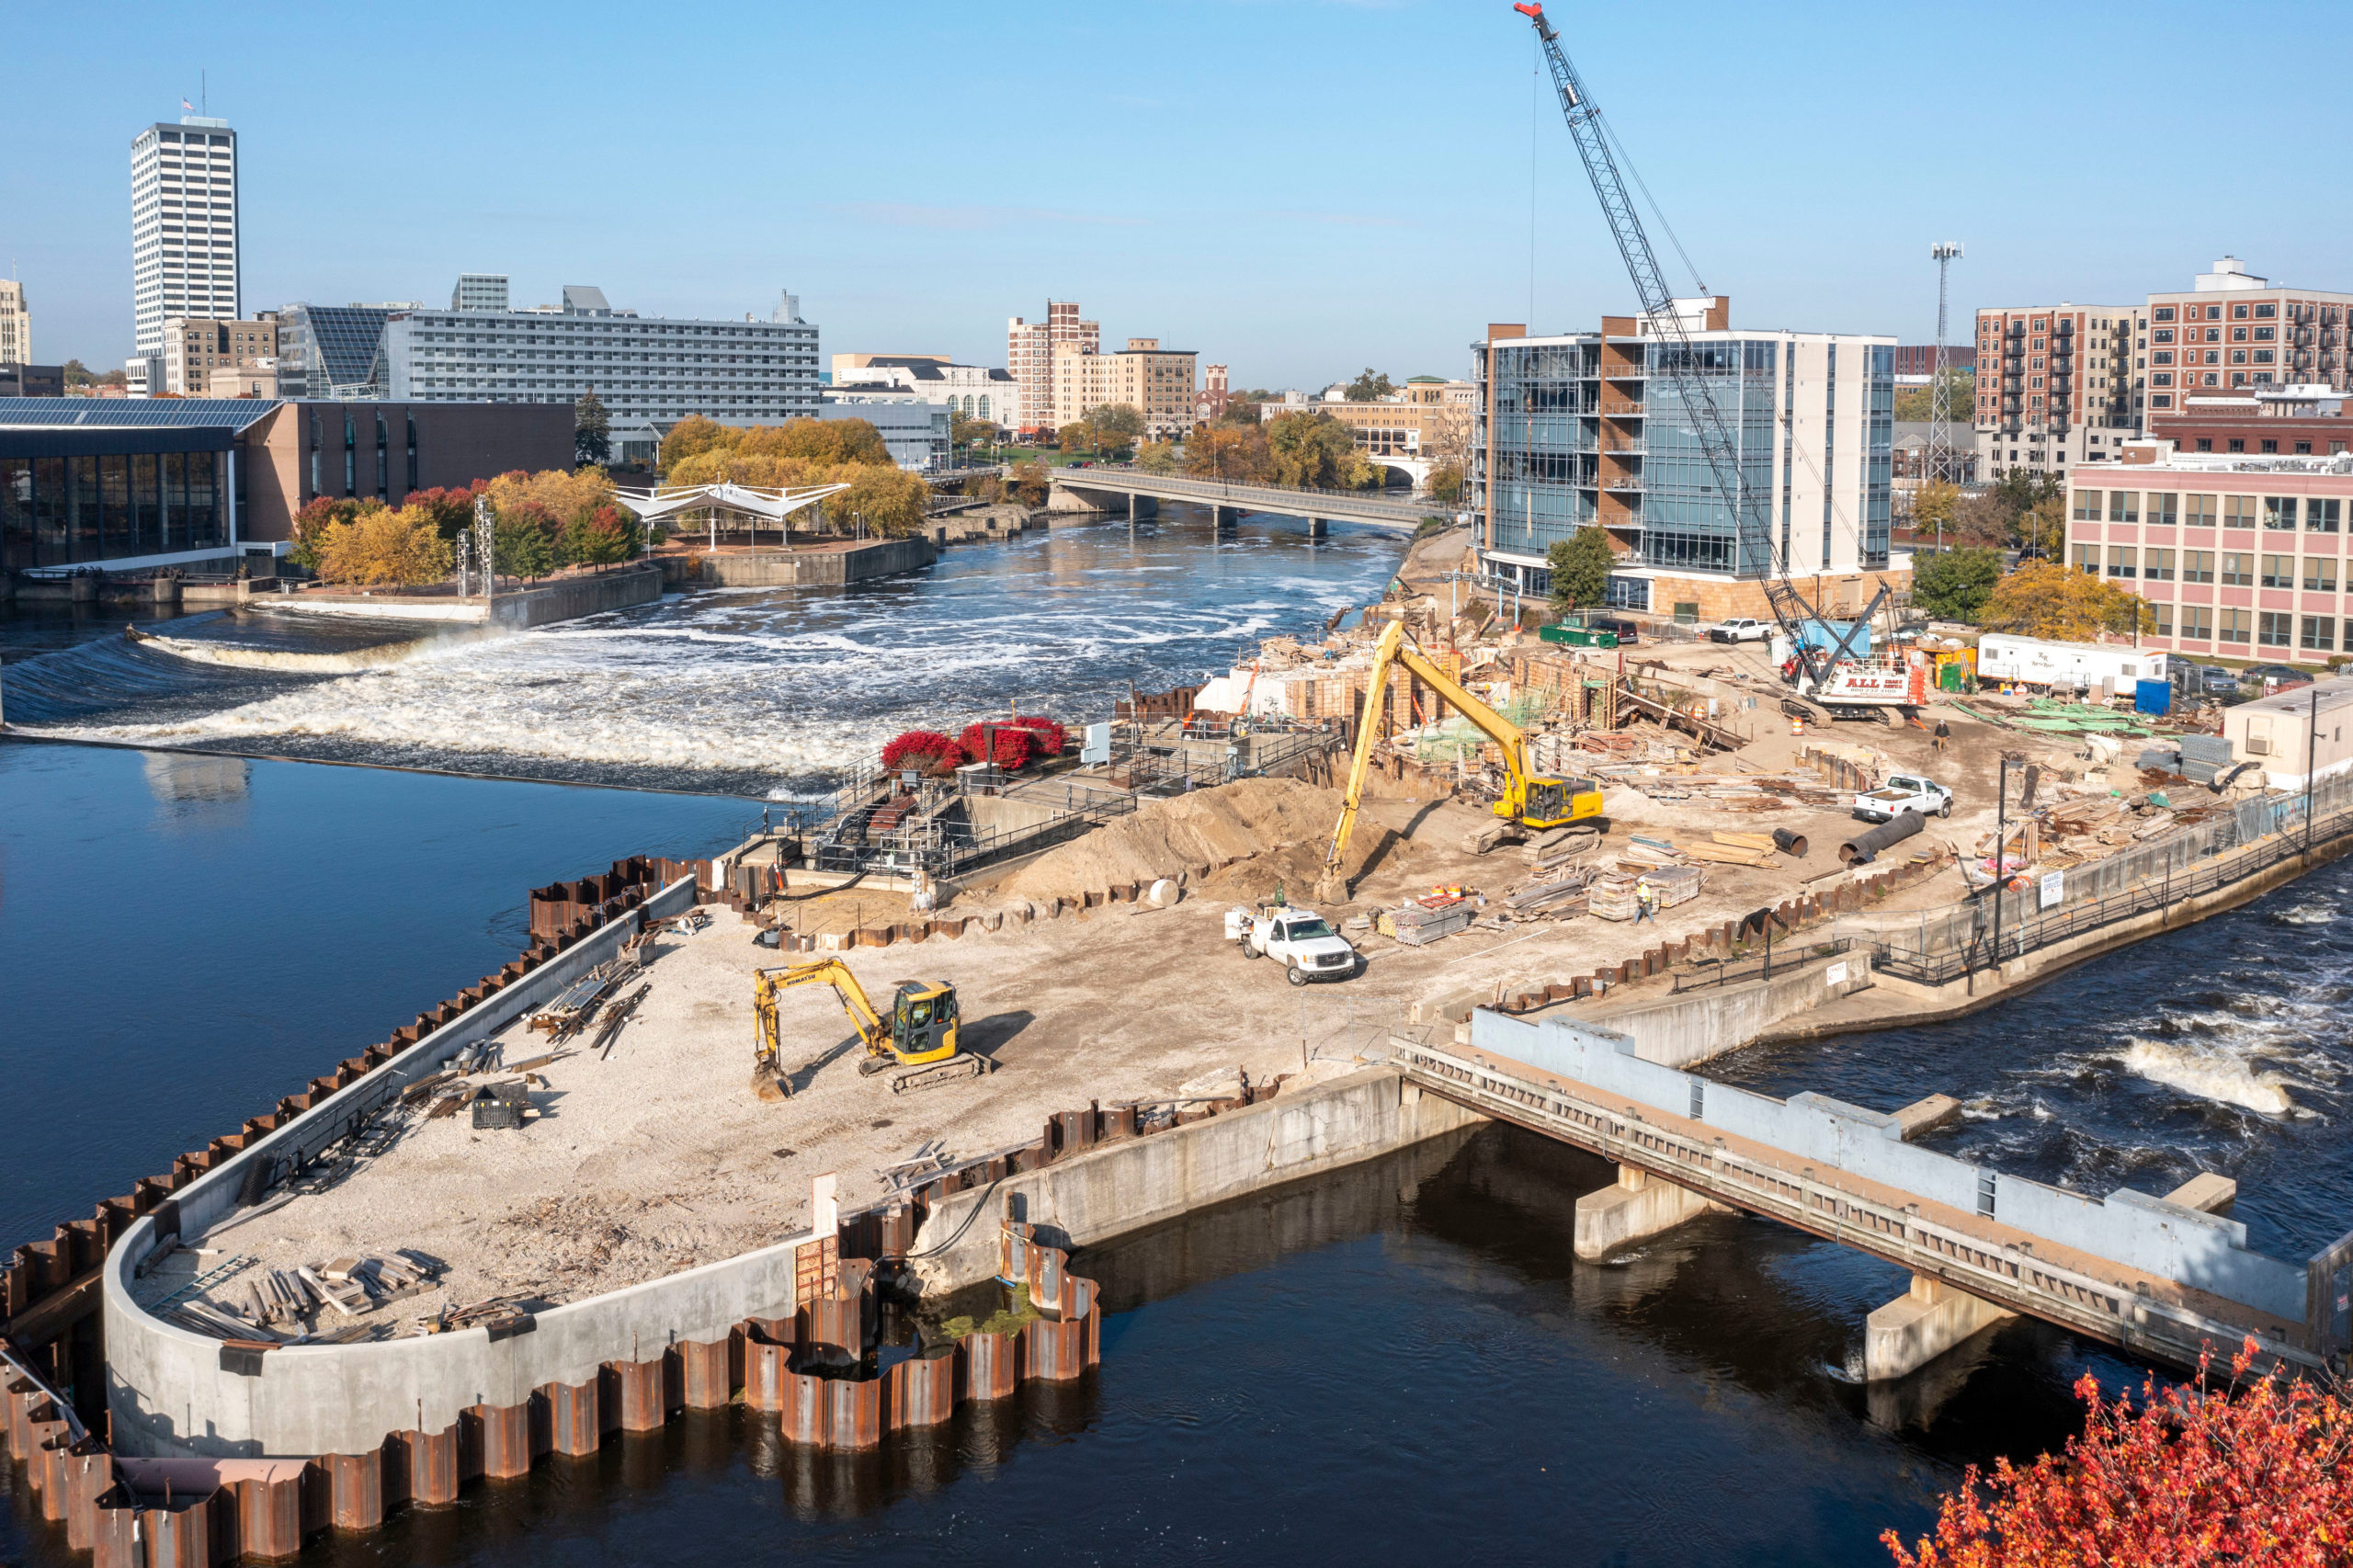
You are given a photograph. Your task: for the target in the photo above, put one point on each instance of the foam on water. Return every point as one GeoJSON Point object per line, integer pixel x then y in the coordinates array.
{"type": "Point", "coordinates": [2211, 1073]}
{"type": "Point", "coordinates": [763, 691]}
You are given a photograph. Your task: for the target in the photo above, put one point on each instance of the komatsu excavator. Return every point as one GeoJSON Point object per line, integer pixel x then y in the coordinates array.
{"type": "Point", "coordinates": [917, 1038]}
{"type": "Point", "coordinates": [1531, 801]}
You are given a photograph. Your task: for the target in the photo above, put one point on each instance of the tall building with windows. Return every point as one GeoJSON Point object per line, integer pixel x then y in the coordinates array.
{"type": "Point", "coordinates": [330, 350]}
{"type": "Point", "coordinates": [16, 325]}
{"type": "Point", "coordinates": [1156, 382]}
{"type": "Point", "coordinates": [184, 256]}
{"type": "Point", "coordinates": [649, 372]}
{"type": "Point", "coordinates": [1586, 430]}
{"type": "Point", "coordinates": [1030, 356]}
{"type": "Point", "coordinates": [195, 347]}
{"type": "Point", "coordinates": [2232, 330]}
{"type": "Point", "coordinates": [479, 291]}
{"type": "Point", "coordinates": [2056, 385]}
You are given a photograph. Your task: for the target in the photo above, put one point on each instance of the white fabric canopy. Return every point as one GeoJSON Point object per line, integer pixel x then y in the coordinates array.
{"type": "Point", "coordinates": [773, 505]}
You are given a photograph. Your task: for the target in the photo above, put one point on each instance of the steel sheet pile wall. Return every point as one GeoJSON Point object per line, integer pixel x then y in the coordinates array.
{"type": "Point", "coordinates": [2130, 1228]}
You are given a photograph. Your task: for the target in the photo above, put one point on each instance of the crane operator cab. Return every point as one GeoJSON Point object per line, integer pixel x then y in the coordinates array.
{"type": "Point", "coordinates": [1555, 802]}
{"type": "Point", "coordinates": [923, 1026]}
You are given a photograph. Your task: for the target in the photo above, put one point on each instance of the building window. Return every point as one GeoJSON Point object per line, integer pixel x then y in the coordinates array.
{"type": "Point", "coordinates": [2274, 630]}
{"type": "Point", "coordinates": [2163, 312]}
{"type": "Point", "coordinates": [2123, 561]}
{"type": "Point", "coordinates": [2237, 625]}
{"type": "Point", "coordinates": [2088, 506]}
{"type": "Point", "coordinates": [2162, 614]}
{"type": "Point", "coordinates": [2278, 571]}
{"type": "Point", "coordinates": [2238, 511]}
{"type": "Point", "coordinates": [2196, 565]}
{"type": "Point", "coordinates": [2320, 573]}
{"type": "Point", "coordinates": [2278, 511]}
{"type": "Point", "coordinates": [2197, 624]}
{"type": "Point", "coordinates": [2162, 505]}
{"type": "Point", "coordinates": [2319, 634]}
{"type": "Point", "coordinates": [2085, 558]}
{"type": "Point", "coordinates": [2238, 570]}
{"type": "Point", "coordinates": [2158, 566]}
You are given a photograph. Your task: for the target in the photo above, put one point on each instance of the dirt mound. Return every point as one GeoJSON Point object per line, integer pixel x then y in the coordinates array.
{"type": "Point", "coordinates": [1190, 832]}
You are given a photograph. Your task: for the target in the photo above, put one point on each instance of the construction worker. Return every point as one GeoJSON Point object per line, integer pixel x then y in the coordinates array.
{"type": "Point", "coordinates": [1944, 734]}
{"type": "Point", "coordinates": [1645, 902]}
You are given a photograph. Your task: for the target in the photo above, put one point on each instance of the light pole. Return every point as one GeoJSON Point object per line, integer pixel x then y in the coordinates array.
{"type": "Point", "coordinates": [2001, 857]}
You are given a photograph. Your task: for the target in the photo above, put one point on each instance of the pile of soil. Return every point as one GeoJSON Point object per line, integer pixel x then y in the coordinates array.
{"type": "Point", "coordinates": [1190, 833]}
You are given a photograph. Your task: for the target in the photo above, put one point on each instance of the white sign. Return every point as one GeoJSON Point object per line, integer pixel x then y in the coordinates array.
{"type": "Point", "coordinates": [1097, 748]}
{"type": "Point", "coordinates": [1835, 975]}
{"type": "Point", "coordinates": [2054, 888]}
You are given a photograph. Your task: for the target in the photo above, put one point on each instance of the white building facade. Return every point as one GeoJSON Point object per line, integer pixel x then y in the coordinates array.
{"type": "Point", "coordinates": [184, 255]}
{"type": "Point", "coordinates": [649, 372]}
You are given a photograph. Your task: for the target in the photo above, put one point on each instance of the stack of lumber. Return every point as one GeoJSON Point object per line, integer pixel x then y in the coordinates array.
{"type": "Point", "coordinates": [1675, 884]}
{"type": "Point", "coordinates": [1417, 924]}
{"type": "Point", "coordinates": [1732, 850]}
{"type": "Point", "coordinates": [1612, 896]}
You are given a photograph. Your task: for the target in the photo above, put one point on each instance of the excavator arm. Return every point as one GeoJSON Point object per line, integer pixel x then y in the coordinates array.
{"type": "Point", "coordinates": [872, 1029]}
{"type": "Point", "coordinates": [1391, 653]}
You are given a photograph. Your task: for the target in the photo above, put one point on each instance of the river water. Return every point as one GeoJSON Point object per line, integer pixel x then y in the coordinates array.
{"type": "Point", "coordinates": [1402, 1360]}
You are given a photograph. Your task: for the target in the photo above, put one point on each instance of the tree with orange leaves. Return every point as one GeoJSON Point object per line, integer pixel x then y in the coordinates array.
{"type": "Point", "coordinates": [2258, 1472]}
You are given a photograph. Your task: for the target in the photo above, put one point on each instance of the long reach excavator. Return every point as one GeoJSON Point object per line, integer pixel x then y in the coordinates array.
{"type": "Point", "coordinates": [1530, 802]}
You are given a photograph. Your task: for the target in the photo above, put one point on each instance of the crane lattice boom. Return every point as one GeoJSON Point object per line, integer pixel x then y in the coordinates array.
{"type": "Point", "coordinates": [1678, 357]}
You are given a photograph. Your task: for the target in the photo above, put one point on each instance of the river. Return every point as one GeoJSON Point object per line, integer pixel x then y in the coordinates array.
{"type": "Point", "coordinates": [1403, 1361]}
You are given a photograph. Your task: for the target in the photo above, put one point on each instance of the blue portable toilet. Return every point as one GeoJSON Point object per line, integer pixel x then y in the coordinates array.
{"type": "Point", "coordinates": [2152, 696]}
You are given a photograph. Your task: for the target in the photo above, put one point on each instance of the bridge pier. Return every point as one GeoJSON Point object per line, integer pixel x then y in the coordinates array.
{"type": "Point", "coordinates": [1143, 506]}
{"type": "Point", "coordinates": [1318, 529]}
{"type": "Point", "coordinates": [1922, 1324]}
{"type": "Point", "coordinates": [1639, 1205]}
{"type": "Point", "coordinates": [1225, 517]}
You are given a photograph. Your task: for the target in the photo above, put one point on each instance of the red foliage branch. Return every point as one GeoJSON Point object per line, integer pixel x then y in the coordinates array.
{"type": "Point", "coordinates": [1013, 744]}
{"type": "Point", "coordinates": [2258, 1473]}
{"type": "Point", "coordinates": [1050, 736]}
{"type": "Point", "coordinates": [924, 749]}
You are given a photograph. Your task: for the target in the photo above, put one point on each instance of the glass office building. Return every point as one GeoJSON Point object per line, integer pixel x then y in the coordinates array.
{"type": "Point", "coordinates": [1591, 430]}
{"type": "Point", "coordinates": [329, 351]}
{"type": "Point", "coordinates": [134, 483]}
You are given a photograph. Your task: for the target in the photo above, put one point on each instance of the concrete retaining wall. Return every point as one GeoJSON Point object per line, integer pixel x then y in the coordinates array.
{"type": "Point", "coordinates": [170, 1394]}
{"type": "Point", "coordinates": [1127, 1186]}
{"type": "Point", "coordinates": [2131, 1228]}
{"type": "Point", "coordinates": [1701, 1024]}
{"type": "Point", "coordinates": [577, 597]}
{"type": "Point", "coordinates": [799, 568]}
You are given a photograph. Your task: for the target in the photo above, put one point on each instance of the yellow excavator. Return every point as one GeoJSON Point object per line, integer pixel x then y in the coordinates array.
{"type": "Point", "coordinates": [1530, 802]}
{"type": "Point", "coordinates": [917, 1038]}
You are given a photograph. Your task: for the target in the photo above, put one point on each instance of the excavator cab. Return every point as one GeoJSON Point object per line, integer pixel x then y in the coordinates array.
{"type": "Point", "coordinates": [1555, 802]}
{"type": "Point", "coordinates": [923, 1022]}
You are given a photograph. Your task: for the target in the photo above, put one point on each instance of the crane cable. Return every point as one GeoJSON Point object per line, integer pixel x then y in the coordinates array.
{"type": "Point", "coordinates": [1656, 211]}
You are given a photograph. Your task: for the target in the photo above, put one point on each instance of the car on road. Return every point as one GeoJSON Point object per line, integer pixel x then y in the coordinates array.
{"type": "Point", "coordinates": [1904, 792]}
{"type": "Point", "coordinates": [2212, 680]}
{"type": "Point", "coordinates": [1629, 632]}
{"type": "Point", "coordinates": [1740, 628]}
{"type": "Point", "coordinates": [1302, 940]}
{"type": "Point", "coordinates": [2275, 675]}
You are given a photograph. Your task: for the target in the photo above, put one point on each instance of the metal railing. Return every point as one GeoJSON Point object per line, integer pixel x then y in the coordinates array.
{"type": "Point", "coordinates": [1783, 959]}
{"type": "Point", "coordinates": [1372, 504]}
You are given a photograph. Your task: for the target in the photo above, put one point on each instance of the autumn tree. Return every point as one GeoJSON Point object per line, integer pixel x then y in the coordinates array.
{"type": "Point", "coordinates": [1116, 425]}
{"type": "Point", "coordinates": [313, 523]}
{"type": "Point", "coordinates": [1157, 456]}
{"type": "Point", "coordinates": [965, 432]}
{"type": "Point", "coordinates": [1316, 451]}
{"type": "Point", "coordinates": [1958, 387]}
{"type": "Point", "coordinates": [1932, 509]}
{"type": "Point", "coordinates": [1580, 567]}
{"type": "Point", "coordinates": [2041, 529]}
{"type": "Point", "coordinates": [524, 540]}
{"type": "Point", "coordinates": [691, 437]}
{"type": "Point", "coordinates": [1371, 386]}
{"type": "Point", "coordinates": [881, 500]}
{"type": "Point", "coordinates": [1954, 585]}
{"type": "Point", "coordinates": [453, 510]}
{"type": "Point", "coordinates": [2042, 598]}
{"type": "Point", "coordinates": [604, 537]}
{"type": "Point", "coordinates": [1028, 482]}
{"type": "Point", "coordinates": [1446, 482]}
{"type": "Point", "coordinates": [2256, 1471]}
{"type": "Point", "coordinates": [1236, 453]}
{"type": "Point", "coordinates": [380, 546]}
{"type": "Point", "coordinates": [592, 430]}
{"type": "Point", "coordinates": [1078, 435]}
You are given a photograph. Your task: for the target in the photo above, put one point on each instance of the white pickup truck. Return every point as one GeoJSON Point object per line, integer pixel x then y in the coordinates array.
{"type": "Point", "coordinates": [1741, 629]}
{"type": "Point", "coordinates": [1904, 792]}
{"type": "Point", "coordinates": [1303, 939]}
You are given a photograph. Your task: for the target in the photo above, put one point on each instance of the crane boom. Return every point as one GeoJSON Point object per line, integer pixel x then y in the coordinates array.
{"type": "Point", "coordinates": [1679, 360]}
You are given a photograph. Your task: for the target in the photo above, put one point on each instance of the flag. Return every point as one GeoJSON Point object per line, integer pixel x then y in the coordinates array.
{"type": "Point", "coordinates": [187, 107]}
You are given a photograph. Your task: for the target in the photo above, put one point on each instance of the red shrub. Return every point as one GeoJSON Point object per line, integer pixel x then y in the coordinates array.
{"type": "Point", "coordinates": [1051, 735]}
{"type": "Point", "coordinates": [1013, 744]}
{"type": "Point", "coordinates": [926, 749]}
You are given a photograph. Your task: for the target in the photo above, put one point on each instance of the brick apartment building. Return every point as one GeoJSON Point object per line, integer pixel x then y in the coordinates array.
{"type": "Point", "coordinates": [2054, 385]}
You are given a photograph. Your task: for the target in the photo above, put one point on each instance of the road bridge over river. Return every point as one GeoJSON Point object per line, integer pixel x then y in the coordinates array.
{"type": "Point", "coordinates": [1138, 494]}
{"type": "Point", "coordinates": [2158, 1277]}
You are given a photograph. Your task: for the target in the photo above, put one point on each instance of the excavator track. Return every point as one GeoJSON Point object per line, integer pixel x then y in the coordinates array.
{"type": "Point", "coordinates": [931, 1075]}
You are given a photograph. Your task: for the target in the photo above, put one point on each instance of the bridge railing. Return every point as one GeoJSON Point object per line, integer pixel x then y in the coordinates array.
{"type": "Point", "coordinates": [1384, 501]}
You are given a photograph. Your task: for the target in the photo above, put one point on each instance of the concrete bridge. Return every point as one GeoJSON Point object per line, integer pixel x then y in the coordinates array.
{"type": "Point", "coordinates": [2157, 1277]}
{"type": "Point", "coordinates": [1138, 495]}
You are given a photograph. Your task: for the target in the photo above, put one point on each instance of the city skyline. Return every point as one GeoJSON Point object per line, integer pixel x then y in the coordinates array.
{"type": "Point", "coordinates": [1376, 207]}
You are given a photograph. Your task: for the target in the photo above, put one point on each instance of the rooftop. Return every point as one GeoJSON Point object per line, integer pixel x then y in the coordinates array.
{"type": "Point", "coordinates": [231, 413]}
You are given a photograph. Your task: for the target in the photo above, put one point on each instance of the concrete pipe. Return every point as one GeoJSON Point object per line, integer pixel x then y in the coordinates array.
{"type": "Point", "coordinates": [1787, 843]}
{"type": "Point", "coordinates": [1865, 847]}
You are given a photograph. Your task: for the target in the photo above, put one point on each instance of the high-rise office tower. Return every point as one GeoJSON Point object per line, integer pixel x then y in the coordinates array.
{"type": "Point", "coordinates": [183, 225]}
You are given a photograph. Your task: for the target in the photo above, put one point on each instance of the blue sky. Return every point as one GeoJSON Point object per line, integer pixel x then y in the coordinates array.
{"type": "Point", "coordinates": [1297, 188]}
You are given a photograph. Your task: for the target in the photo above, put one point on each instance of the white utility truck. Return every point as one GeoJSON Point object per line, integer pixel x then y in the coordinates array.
{"type": "Point", "coordinates": [1302, 940]}
{"type": "Point", "coordinates": [1904, 792]}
